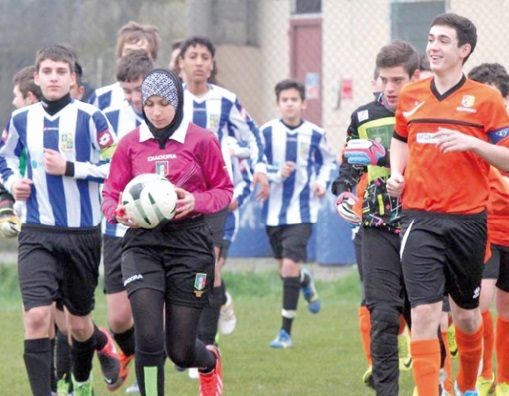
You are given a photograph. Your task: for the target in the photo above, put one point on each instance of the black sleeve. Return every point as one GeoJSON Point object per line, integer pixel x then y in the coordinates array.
{"type": "Point", "coordinates": [4, 194]}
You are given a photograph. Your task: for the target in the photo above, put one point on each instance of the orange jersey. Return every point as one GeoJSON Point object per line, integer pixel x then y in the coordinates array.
{"type": "Point", "coordinates": [498, 217]}
{"type": "Point", "coordinates": [455, 182]}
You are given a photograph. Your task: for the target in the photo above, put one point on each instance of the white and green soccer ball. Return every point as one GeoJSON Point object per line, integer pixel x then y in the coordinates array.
{"type": "Point", "coordinates": [149, 199]}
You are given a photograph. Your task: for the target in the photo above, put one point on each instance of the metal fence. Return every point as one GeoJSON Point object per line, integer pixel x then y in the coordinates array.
{"type": "Point", "coordinates": [329, 44]}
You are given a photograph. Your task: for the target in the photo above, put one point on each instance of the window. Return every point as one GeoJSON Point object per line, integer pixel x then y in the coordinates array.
{"type": "Point", "coordinates": [306, 7]}
{"type": "Point", "coordinates": [410, 21]}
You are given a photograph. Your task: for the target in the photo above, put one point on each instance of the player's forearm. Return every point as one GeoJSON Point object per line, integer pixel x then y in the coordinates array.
{"type": "Point", "coordinates": [496, 155]}
{"type": "Point", "coordinates": [398, 156]}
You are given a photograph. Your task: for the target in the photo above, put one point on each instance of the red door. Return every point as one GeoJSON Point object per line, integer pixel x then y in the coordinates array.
{"type": "Point", "coordinates": [306, 63]}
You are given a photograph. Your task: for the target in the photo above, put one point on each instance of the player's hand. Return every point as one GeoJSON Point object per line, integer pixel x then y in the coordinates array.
{"type": "Point", "coordinates": [395, 185]}
{"type": "Point", "coordinates": [185, 203]}
{"type": "Point", "coordinates": [287, 169]}
{"type": "Point", "coordinates": [54, 162]}
{"type": "Point", "coordinates": [261, 179]}
{"type": "Point", "coordinates": [21, 189]}
{"type": "Point", "coordinates": [318, 189]}
{"type": "Point", "coordinates": [122, 217]}
{"type": "Point", "coordinates": [344, 207]}
{"type": "Point", "coordinates": [234, 205]}
{"type": "Point", "coordinates": [10, 225]}
{"type": "Point", "coordinates": [451, 141]}
{"type": "Point", "coordinates": [364, 152]}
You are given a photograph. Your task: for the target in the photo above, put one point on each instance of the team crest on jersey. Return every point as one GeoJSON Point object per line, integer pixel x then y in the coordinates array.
{"type": "Point", "coordinates": [162, 168]}
{"type": "Point", "coordinates": [304, 149]}
{"type": "Point", "coordinates": [213, 122]}
{"type": "Point", "coordinates": [67, 142]}
{"type": "Point", "coordinates": [468, 101]}
{"type": "Point", "coordinates": [200, 282]}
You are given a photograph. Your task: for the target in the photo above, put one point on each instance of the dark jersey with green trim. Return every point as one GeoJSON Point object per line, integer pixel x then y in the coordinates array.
{"type": "Point", "coordinates": [372, 121]}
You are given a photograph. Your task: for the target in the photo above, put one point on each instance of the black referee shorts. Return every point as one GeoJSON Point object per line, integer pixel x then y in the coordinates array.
{"type": "Point", "coordinates": [176, 258]}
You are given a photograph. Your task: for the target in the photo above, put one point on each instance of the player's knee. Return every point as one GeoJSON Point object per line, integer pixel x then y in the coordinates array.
{"type": "Point", "coordinates": [468, 320]}
{"type": "Point", "coordinates": [425, 321]}
{"type": "Point", "coordinates": [36, 322]}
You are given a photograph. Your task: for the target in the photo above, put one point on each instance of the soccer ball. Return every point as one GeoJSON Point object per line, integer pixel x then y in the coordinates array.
{"type": "Point", "coordinates": [149, 199]}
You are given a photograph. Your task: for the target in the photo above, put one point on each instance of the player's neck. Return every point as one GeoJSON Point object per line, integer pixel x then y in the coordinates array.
{"type": "Point", "coordinates": [198, 88]}
{"type": "Point", "coordinates": [445, 81]}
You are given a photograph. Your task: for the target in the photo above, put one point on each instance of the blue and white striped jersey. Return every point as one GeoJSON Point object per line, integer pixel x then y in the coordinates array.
{"type": "Point", "coordinates": [108, 96]}
{"type": "Point", "coordinates": [123, 120]}
{"type": "Point", "coordinates": [242, 179]}
{"type": "Point", "coordinates": [220, 111]}
{"type": "Point", "coordinates": [291, 200]}
{"type": "Point", "coordinates": [83, 136]}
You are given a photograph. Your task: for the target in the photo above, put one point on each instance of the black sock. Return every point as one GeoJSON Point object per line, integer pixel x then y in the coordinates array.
{"type": "Point", "coordinates": [222, 292]}
{"type": "Point", "coordinates": [207, 328]}
{"type": "Point", "coordinates": [53, 372]}
{"type": "Point", "coordinates": [125, 341]}
{"type": "Point", "coordinates": [63, 357]}
{"type": "Point", "coordinates": [305, 279]}
{"type": "Point", "coordinates": [291, 289]}
{"type": "Point", "coordinates": [82, 354]}
{"type": "Point", "coordinates": [100, 338]}
{"type": "Point", "coordinates": [37, 358]}
{"type": "Point", "coordinates": [150, 370]}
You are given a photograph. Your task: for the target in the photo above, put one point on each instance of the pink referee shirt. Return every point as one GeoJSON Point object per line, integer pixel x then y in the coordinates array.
{"type": "Point", "coordinates": [191, 159]}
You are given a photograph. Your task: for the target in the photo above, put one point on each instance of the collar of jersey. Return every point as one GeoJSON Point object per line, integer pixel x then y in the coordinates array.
{"type": "Point", "coordinates": [179, 135]}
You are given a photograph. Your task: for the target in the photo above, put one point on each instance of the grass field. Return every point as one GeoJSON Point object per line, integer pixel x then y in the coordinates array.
{"type": "Point", "coordinates": [326, 358]}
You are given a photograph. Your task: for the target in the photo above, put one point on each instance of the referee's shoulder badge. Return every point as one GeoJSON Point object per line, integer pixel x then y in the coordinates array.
{"type": "Point", "coordinates": [200, 280]}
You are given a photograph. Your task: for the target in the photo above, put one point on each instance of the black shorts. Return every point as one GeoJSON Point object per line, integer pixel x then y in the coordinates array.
{"type": "Point", "coordinates": [216, 223]}
{"type": "Point", "coordinates": [225, 247]}
{"type": "Point", "coordinates": [500, 258]}
{"type": "Point", "coordinates": [491, 269]}
{"type": "Point", "coordinates": [290, 241]}
{"type": "Point", "coordinates": [443, 253]}
{"type": "Point", "coordinates": [56, 262]}
{"type": "Point", "coordinates": [176, 258]}
{"type": "Point", "coordinates": [112, 259]}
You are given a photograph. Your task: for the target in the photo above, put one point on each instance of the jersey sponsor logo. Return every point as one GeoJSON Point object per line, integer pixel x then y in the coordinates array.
{"type": "Point", "coordinates": [105, 139]}
{"type": "Point", "coordinates": [47, 129]}
{"type": "Point", "coordinates": [428, 137]}
{"type": "Point", "coordinates": [162, 168]}
{"type": "Point", "coordinates": [132, 279]}
{"type": "Point", "coordinates": [67, 142]}
{"type": "Point", "coordinates": [200, 281]}
{"type": "Point", "coordinates": [161, 157]}
{"type": "Point", "coordinates": [410, 113]}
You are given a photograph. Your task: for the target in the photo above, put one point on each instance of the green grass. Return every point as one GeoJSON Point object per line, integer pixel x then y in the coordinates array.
{"type": "Point", "coordinates": [326, 359]}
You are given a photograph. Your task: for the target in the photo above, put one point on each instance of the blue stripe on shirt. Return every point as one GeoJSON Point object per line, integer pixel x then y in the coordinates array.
{"type": "Point", "coordinates": [289, 183]}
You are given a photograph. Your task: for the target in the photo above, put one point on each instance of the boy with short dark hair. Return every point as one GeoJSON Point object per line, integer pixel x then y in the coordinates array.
{"type": "Point", "coordinates": [448, 130]}
{"type": "Point", "coordinates": [69, 144]}
{"type": "Point", "coordinates": [299, 163]}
